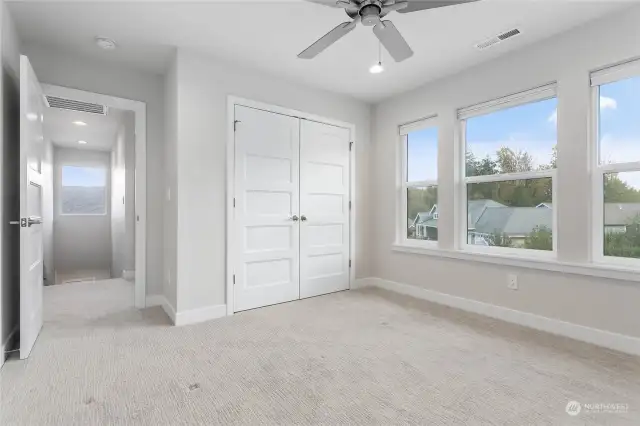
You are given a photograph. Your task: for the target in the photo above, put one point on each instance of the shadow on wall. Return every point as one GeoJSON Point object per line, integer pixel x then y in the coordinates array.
{"type": "Point", "coordinates": [10, 203]}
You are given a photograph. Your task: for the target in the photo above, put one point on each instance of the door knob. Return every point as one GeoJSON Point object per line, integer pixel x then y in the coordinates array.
{"type": "Point", "coordinates": [303, 218]}
{"type": "Point", "coordinates": [34, 220]}
{"type": "Point", "coordinates": [294, 218]}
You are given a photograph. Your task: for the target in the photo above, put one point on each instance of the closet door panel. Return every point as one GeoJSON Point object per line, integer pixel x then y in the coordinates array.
{"type": "Point", "coordinates": [324, 208]}
{"type": "Point", "coordinates": [266, 240]}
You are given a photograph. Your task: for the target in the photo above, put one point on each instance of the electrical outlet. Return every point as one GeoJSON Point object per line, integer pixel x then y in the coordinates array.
{"type": "Point", "coordinates": [512, 281]}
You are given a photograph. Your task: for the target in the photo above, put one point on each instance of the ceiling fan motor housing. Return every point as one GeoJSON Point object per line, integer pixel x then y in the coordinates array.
{"type": "Point", "coordinates": [370, 13]}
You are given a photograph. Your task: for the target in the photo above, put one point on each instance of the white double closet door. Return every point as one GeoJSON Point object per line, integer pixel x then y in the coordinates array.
{"type": "Point", "coordinates": [291, 217]}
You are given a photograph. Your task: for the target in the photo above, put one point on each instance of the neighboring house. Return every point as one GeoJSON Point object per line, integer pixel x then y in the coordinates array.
{"type": "Point", "coordinates": [486, 218]}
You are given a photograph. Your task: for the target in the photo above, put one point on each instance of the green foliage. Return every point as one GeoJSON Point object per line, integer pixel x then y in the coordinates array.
{"type": "Point", "coordinates": [541, 238]}
{"type": "Point", "coordinates": [420, 200]}
{"type": "Point", "coordinates": [499, 239]}
{"type": "Point", "coordinates": [618, 191]}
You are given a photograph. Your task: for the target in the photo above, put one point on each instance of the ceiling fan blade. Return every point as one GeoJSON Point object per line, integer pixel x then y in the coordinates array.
{"type": "Point", "coordinates": [393, 6]}
{"type": "Point", "coordinates": [393, 41]}
{"type": "Point", "coordinates": [327, 40]}
{"type": "Point", "coordinates": [416, 5]}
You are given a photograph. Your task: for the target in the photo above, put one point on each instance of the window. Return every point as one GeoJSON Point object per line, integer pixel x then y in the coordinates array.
{"type": "Point", "coordinates": [616, 142]}
{"type": "Point", "coordinates": [419, 218]}
{"type": "Point", "coordinates": [83, 191]}
{"type": "Point", "coordinates": [510, 161]}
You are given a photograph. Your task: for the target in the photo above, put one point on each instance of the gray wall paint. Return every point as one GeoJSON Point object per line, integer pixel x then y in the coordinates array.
{"type": "Point", "coordinates": [61, 68]}
{"type": "Point", "coordinates": [123, 196]}
{"type": "Point", "coordinates": [129, 252]}
{"type": "Point", "coordinates": [81, 242]}
{"type": "Point", "coordinates": [9, 172]}
{"type": "Point", "coordinates": [170, 289]}
{"type": "Point", "coordinates": [568, 58]}
{"type": "Point", "coordinates": [203, 86]}
{"type": "Point", "coordinates": [118, 191]}
{"type": "Point", "coordinates": [47, 212]}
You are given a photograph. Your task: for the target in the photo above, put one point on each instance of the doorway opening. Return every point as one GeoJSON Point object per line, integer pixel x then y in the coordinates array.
{"type": "Point", "coordinates": [94, 210]}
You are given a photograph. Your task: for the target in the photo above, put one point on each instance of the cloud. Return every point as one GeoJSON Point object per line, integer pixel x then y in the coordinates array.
{"type": "Point", "coordinates": [605, 103]}
{"type": "Point", "coordinates": [608, 103]}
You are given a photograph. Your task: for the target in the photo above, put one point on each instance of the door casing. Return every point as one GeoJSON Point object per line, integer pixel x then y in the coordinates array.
{"type": "Point", "coordinates": [232, 101]}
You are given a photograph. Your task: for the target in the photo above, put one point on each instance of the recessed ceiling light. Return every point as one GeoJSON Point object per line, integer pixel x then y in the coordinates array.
{"type": "Point", "coordinates": [105, 43]}
{"type": "Point", "coordinates": [79, 123]}
{"type": "Point", "coordinates": [82, 142]}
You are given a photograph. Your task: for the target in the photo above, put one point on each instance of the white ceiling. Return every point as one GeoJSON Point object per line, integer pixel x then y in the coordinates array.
{"type": "Point", "coordinates": [99, 133]}
{"type": "Point", "coordinates": [267, 36]}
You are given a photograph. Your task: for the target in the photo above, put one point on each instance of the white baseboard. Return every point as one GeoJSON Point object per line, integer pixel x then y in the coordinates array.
{"type": "Point", "coordinates": [129, 275]}
{"type": "Point", "coordinates": [195, 316]}
{"type": "Point", "coordinates": [607, 339]}
{"type": "Point", "coordinates": [5, 345]}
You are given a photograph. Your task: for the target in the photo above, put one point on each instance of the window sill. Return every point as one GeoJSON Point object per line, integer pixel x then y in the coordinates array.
{"type": "Point", "coordinates": [610, 271]}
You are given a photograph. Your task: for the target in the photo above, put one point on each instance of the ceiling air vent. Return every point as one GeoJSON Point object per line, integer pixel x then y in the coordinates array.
{"type": "Point", "coordinates": [61, 103]}
{"type": "Point", "coordinates": [497, 39]}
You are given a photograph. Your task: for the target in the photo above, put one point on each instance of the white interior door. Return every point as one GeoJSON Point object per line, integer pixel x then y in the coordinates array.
{"type": "Point", "coordinates": [324, 208]}
{"type": "Point", "coordinates": [266, 204]}
{"type": "Point", "coordinates": [32, 105]}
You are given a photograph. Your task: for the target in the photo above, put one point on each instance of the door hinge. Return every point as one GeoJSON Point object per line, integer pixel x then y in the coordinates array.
{"type": "Point", "coordinates": [234, 279]}
{"type": "Point", "coordinates": [350, 146]}
{"type": "Point", "coordinates": [349, 263]}
{"type": "Point", "coordinates": [234, 202]}
{"type": "Point", "coordinates": [349, 205]}
{"type": "Point", "coordinates": [235, 124]}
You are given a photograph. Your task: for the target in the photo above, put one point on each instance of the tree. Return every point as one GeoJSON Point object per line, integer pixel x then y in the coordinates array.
{"type": "Point", "coordinates": [618, 191]}
{"type": "Point", "coordinates": [540, 238]}
{"type": "Point", "coordinates": [499, 239]}
{"type": "Point", "coordinates": [510, 161]}
{"type": "Point", "coordinates": [420, 200]}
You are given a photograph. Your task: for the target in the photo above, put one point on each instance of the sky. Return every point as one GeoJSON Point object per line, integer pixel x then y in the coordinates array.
{"type": "Point", "coordinates": [533, 128]}
{"type": "Point", "coordinates": [83, 176]}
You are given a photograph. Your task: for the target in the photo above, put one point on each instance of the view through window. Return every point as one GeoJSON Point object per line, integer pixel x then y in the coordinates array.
{"type": "Point", "coordinates": [619, 160]}
{"type": "Point", "coordinates": [421, 184]}
{"type": "Point", "coordinates": [516, 210]}
{"type": "Point", "coordinates": [83, 190]}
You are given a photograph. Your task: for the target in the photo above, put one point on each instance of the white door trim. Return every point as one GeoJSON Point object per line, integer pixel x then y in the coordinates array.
{"type": "Point", "coordinates": [140, 110]}
{"type": "Point", "coordinates": [232, 101]}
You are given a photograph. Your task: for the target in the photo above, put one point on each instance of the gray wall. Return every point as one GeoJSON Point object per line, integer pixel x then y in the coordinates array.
{"type": "Point", "coordinates": [9, 172]}
{"type": "Point", "coordinates": [81, 242]}
{"type": "Point", "coordinates": [568, 58]}
{"type": "Point", "coordinates": [118, 190]}
{"type": "Point", "coordinates": [123, 196]}
{"type": "Point", "coordinates": [203, 86]}
{"type": "Point", "coordinates": [61, 68]}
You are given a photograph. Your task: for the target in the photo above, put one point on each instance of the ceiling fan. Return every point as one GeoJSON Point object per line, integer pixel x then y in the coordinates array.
{"type": "Point", "coordinates": [370, 14]}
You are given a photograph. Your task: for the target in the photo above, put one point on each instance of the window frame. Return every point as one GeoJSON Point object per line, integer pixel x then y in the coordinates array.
{"type": "Point", "coordinates": [405, 184]}
{"type": "Point", "coordinates": [61, 186]}
{"type": "Point", "coordinates": [598, 78]}
{"type": "Point", "coordinates": [538, 94]}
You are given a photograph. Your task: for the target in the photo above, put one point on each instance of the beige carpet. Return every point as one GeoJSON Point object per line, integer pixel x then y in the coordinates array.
{"type": "Point", "coordinates": [361, 357]}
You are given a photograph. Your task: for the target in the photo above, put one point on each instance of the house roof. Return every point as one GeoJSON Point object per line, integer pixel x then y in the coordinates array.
{"type": "Point", "coordinates": [513, 221]}
{"type": "Point", "coordinates": [475, 208]}
{"type": "Point", "coordinates": [620, 213]}
{"type": "Point", "coordinates": [488, 216]}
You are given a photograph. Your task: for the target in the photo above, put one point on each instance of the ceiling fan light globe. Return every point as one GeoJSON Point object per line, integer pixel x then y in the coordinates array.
{"type": "Point", "coordinates": [377, 68]}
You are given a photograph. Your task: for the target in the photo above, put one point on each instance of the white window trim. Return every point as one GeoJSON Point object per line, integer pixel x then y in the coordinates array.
{"type": "Point", "coordinates": [538, 94]}
{"type": "Point", "coordinates": [598, 78]}
{"type": "Point", "coordinates": [404, 185]}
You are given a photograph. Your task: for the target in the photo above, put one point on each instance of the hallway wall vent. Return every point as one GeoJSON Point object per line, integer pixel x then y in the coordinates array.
{"type": "Point", "coordinates": [497, 39]}
{"type": "Point", "coordinates": [62, 103]}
